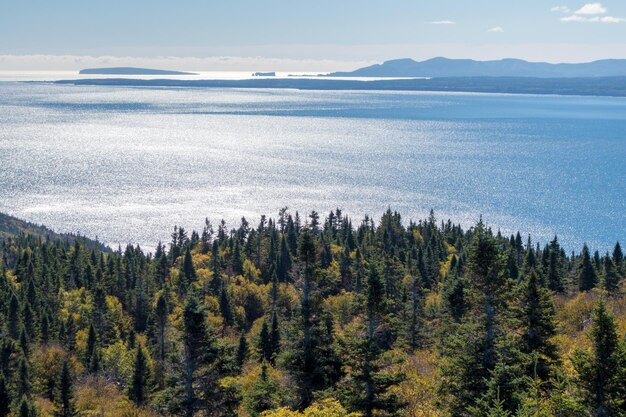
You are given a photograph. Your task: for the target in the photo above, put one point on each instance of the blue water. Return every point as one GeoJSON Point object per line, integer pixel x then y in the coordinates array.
{"type": "Point", "coordinates": [126, 164]}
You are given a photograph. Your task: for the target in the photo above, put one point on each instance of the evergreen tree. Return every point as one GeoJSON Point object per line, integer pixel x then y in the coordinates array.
{"type": "Point", "coordinates": [14, 320]}
{"type": "Point", "coordinates": [587, 278]}
{"type": "Point", "coordinates": [160, 313]}
{"type": "Point", "coordinates": [23, 383]}
{"type": "Point", "coordinates": [187, 270]}
{"type": "Point", "coordinates": [264, 394]}
{"type": "Point", "coordinates": [369, 382]}
{"type": "Point", "coordinates": [539, 326]}
{"type": "Point", "coordinates": [225, 307]}
{"type": "Point", "coordinates": [237, 261]}
{"type": "Point", "coordinates": [242, 351]}
{"type": "Point", "coordinates": [91, 358]}
{"type": "Point", "coordinates": [274, 337]}
{"type": "Point", "coordinates": [198, 355]}
{"type": "Point", "coordinates": [601, 371]}
{"type": "Point", "coordinates": [265, 343]}
{"type": "Point", "coordinates": [618, 257]}
{"type": "Point", "coordinates": [5, 400]}
{"type": "Point", "coordinates": [138, 386]}
{"type": "Point", "coordinates": [26, 408]}
{"type": "Point", "coordinates": [611, 277]}
{"type": "Point", "coordinates": [64, 393]}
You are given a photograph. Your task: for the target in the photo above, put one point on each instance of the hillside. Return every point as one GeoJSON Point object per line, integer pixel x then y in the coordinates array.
{"type": "Point", "coordinates": [305, 316]}
{"type": "Point", "coordinates": [445, 67]}
{"type": "Point", "coordinates": [12, 227]}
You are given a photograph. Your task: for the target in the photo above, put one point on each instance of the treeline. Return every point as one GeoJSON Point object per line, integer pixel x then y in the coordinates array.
{"type": "Point", "coordinates": [310, 316]}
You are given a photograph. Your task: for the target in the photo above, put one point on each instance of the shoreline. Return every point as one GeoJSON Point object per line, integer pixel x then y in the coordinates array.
{"type": "Point", "coordinates": [600, 87]}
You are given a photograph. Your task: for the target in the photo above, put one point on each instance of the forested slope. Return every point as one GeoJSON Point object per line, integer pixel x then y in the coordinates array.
{"type": "Point", "coordinates": [304, 315]}
{"type": "Point", "coordinates": [12, 227]}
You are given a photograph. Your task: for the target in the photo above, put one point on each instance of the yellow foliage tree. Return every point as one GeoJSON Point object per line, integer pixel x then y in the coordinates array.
{"type": "Point", "coordinates": [328, 407]}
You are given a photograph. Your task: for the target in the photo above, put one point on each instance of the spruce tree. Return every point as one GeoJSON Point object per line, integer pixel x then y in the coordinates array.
{"type": "Point", "coordinates": [587, 278]}
{"type": "Point", "coordinates": [187, 269]}
{"type": "Point", "coordinates": [225, 307]}
{"type": "Point", "coordinates": [64, 393]}
{"type": "Point", "coordinates": [91, 359]}
{"type": "Point", "coordinates": [242, 350]}
{"type": "Point", "coordinates": [26, 408]}
{"type": "Point", "coordinates": [618, 257]}
{"type": "Point", "coordinates": [600, 372]}
{"type": "Point", "coordinates": [5, 399]}
{"type": "Point", "coordinates": [160, 313]}
{"type": "Point", "coordinates": [265, 343]}
{"type": "Point", "coordinates": [198, 355]}
{"type": "Point", "coordinates": [138, 386]}
{"type": "Point", "coordinates": [610, 279]}
{"type": "Point", "coordinates": [23, 383]}
{"type": "Point", "coordinates": [369, 382]}
{"type": "Point", "coordinates": [539, 326]}
{"type": "Point", "coordinates": [264, 394]}
{"type": "Point", "coordinates": [274, 337]}
{"type": "Point", "coordinates": [14, 319]}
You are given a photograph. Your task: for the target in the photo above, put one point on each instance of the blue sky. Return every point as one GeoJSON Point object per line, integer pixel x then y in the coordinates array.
{"type": "Point", "coordinates": [335, 34]}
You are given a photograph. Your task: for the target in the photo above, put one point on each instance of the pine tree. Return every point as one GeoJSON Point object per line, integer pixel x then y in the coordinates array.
{"type": "Point", "coordinates": [23, 383]}
{"type": "Point", "coordinates": [555, 265]}
{"type": "Point", "coordinates": [611, 277]}
{"type": "Point", "coordinates": [237, 260]}
{"type": "Point", "coordinates": [265, 343]}
{"type": "Point", "coordinates": [26, 408]}
{"type": "Point", "coordinates": [91, 358]}
{"type": "Point", "coordinates": [225, 307]}
{"type": "Point", "coordinates": [600, 372]}
{"type": "Point", "coordinates": [587, 278]}
{"type": "Point", "coordinates": [539, 326]}
{"type": "Point", "coordinates": [44, 330]}
{"type": "Point", "coordinates": [369, 382]}
{"type": "Point", "coordinates": [64, 393]}
{"type": "Point", "coordinates": [311, 359]}
{"type": "Point", "coordinates": [187, 270]}
{"type": "Point", "coordinates": [274, 339]}
{"type": "Point", "coordinates": [618, 257]}
{"type": "Point", "coordinates": [138, 386]}
{"type": "Point", "coordinates": [5, 400]}
{"type": "Point", "coordinates": [284, 261]}
{"type": "Point", "coordinates": [14, 320]}
{"type": "Point", "coordinates": [199, 353]}
{"type": "Point", "coordinates": [160, 312]}
{"type": "Point", "coordinates": [264, 394]}
{"type": "Point", "coordinates": [242, 351]}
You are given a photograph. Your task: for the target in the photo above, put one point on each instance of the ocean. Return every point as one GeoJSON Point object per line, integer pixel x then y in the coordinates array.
{"type": "Point", "coordinates": [127, 164]}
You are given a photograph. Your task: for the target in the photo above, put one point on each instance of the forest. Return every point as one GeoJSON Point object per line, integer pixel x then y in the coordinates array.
{"type": "Point", "coordinates": [312, 316]}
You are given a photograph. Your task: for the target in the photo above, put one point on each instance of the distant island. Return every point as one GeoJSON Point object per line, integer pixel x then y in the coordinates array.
{"type": "Point", "coordinates": [131, 71]}
{"type": "Point", "coordinates": [445, 67]}
{"type": "Point", "coordinates": [264, 74]}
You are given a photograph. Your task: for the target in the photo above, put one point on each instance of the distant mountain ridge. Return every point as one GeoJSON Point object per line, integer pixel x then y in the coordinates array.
{"type": "Point", "coordinates": [131, 71]}
{"type": "Point", "coordinates": [445, 67]}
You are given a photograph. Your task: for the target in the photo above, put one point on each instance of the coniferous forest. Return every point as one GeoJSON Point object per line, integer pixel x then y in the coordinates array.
{"type": "Point", "coordinates": [313, 316]}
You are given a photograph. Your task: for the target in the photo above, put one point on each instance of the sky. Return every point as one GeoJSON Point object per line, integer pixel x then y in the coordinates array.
{"type": "Point", "coordinates": [320, 35]}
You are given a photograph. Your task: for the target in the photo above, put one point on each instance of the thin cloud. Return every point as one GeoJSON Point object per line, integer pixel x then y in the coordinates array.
{"type": "Point", "coordinates": [497, 29]}
{"type": "Point", "coordinates": [442, 22]}
{"type": "Point", "coordinates": [574, 18]}
{"type": "Point", "coordinates": [561, 9]}
{"type": "Point", "coordinates": [591, 9]}
{"type": "Point", "coordinates": [589, 13]}
{"type": "Point", "coordinates": [608, 19]}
